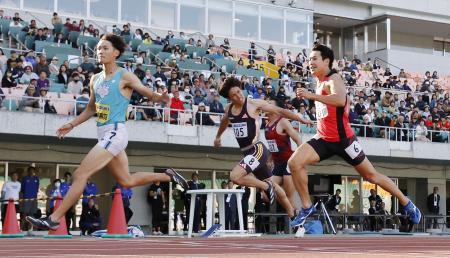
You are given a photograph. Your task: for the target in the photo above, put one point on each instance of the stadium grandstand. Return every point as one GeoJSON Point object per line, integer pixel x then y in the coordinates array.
{"type": "Point", "coordinates": [392, 55]}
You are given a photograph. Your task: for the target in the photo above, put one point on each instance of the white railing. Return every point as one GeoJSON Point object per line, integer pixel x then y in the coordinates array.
{"type": "Point", "coordinates": [188, 117]}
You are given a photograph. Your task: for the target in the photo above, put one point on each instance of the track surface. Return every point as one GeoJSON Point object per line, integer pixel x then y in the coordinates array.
{"type": "Point", "coordinates": [274, 247]}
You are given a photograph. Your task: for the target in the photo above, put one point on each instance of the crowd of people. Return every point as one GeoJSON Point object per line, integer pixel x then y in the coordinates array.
{"type": "Point", "coordinates": [380, 99]}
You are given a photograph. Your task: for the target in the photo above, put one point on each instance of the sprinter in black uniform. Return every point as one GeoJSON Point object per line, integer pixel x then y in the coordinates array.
{"type": "Point", "coordinates": [243, 114]}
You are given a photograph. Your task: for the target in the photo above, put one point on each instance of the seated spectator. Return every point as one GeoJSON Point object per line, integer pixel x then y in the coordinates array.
{"type": "Point", "coordinates": [53, 66]}
{"type": "Point", "coordinates": [75, 85]}
{"type": "Point", "coordinates": [422, 132]}
{"type": "Point", "coordinates": [367, 129]}
{"type": "Point", "coordinates": [90, 220]}
{"type": "Point", "coordinates": [59, 39]}
{"type": "Point", "coordinates": [402, 73]}
{"type": "Point", "coordinates": [203, 118]}
{"type": "Point", "coordinates": [28, 102]}
{"type": "Point", "coordinates": [42, 66]}
{"type": "Point", "coordinates": [8, 81]}
{"type": "Point", "coordinates": [252, 65]}
{"type": "Point", "coordinates": [216, 106]}
{"type": "Point", "coordinates": [435, 75]}
{"type": "Point", "coordinates": [198, 98]}
{"type": "Point", "coordinates": [281, 95]}
{"type": "Point", "coordinates": [259, 94]}
{"type": "Point", "coordinates": [87, 65]}
{"type": "Point", "coordinates": [63, 76]}
{"type": "Point", "coordinates": [401, 134]}
{"type": "Point", "coordinates": [40, 35]}
{"type": "Point", "coordinates": [28, 75]}
{"type": "Point", "coordinates": [82, 100]}
{"type": "Point", "coordinates": [271, 55]}
{"type": "Point", "coordinates": [42, 81]}
{"type": "Point", "coordinates": [387, 72]}
{"type": "Point", "coordinates": [210, 41]}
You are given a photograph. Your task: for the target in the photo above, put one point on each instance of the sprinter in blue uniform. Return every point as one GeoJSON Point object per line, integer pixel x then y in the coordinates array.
{"type": "Point", "coordinates": [111, 90]}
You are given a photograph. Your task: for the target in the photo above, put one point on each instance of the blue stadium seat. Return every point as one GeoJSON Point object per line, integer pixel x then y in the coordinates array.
{"type": "Point", "coordinates": [191, 65]}
{"type": "Point", "coordinates": [10, 104]}
{"type": "Point", "coordinates": [195, 51]}
{"type": "Point", "coordinates": [164, 56]}
{"type": "Point", "coordinates": [135, 44]}
{"type": "Point", "coordinates": [65, 31]}
{"type": "Point", "coordinates": [175, 41]}
{"type": "Point", "coordinates": [126, 38]}
{"type": "Point", "coordinates": [91, 41]}
{"type": "Point", "coordinates": [15, 31]}
{"type": "Point", "coordinates": [250, 72]}
{"type": "Point", "coordinates": [73, 36]}
{"type": "Point", "coordinates": [57, 87]}
{"type": "Point", "coordinates": [57, 28]}
{"type": "Point", "coordinates": [29, 42]}
{"type": "Point", "coordinates": [229, 64]}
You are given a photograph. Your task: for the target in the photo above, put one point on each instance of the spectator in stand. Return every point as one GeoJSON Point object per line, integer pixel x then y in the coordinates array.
{"type": "Point", "coordinates": [367, 129]}
{"type": "Point", "coordinates": [433, 203]}
{"type": "Point", "coordinates": [90, 220]}
{"type": "Point", "coordinates": [12, 61]}
{"type": "Point", "coordinates": [259, 94]}
{"type": "Point", "coordinates": [210, 41]}
{"type": "Point", "coordinates": [401, 134]}
{"type": "Point", "coordinates": [42, 82]}
{"type": "Point", "coordinates": [271, 55]}
{"type": "Point", "coordinates": [216, 106]}
{"type": "Point", "coordinates": [56, 19]}
{"type": "Point", "coordinates": [42, 66]}
{"type": "Point", "coordinates": [252, 53]}
{"type": "Point", "coordinates": [28, 75]}
{"type": "Point", "coordinates": [202, 118]}
{"type": "Point", "coordinates": [82, 100]}
{"type": "Point", "coordinates": [75, 85]}
{"type": "Point", "coordinates": [31, 29]}
{"type": "Point", "coordinates": [75, 27]}
{"type": "Point", "coordinates": [29, 189]}
{"type": "Point", "coordinates": [87, 65]}
{"type": "Point", "coordinates": [8, 80]}
{"type": "Point", "coordinates": [387, 72]}
{"type": "Point", "coordinates": [60, 39]}
{"type": "Point", "coordinates": [405, 86]}
{"type": "Point", "coordinates": [402, 73]}
{"type": "Point", "coordinates": [28, 103]}
{"type": "Point", "coordinates": [53, 66]}
{"type": "Point", "coordinates": [10, 190]}
{"type": "Point", "coordinates": [435, 75]}
{"type": "Point", "coordinates": [176, 105]}
{"type": "Point", "coordinates": [198, 98]}
{"type": "Point", "coordinates": [383, 120]}
{"type": "Point", "coordinates": [63, 76]}
{"type": "Point", "coordinates": [125, 31]}
{"type": "Point", "coordinates": [422, 131]}
{"type": "Point", "coordinates": [160, 74]}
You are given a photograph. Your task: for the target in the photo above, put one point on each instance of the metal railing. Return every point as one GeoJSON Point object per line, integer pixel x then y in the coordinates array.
{"type": "Point", "coordinates": [188, 117]}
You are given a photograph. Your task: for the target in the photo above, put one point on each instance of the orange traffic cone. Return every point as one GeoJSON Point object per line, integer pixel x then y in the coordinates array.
{"type": "Point", "coordinates": [117, 226]}
{"type": "Point", "coordinates": [61, 231]}
{"type": "Point", "coordinates": [10, 226]}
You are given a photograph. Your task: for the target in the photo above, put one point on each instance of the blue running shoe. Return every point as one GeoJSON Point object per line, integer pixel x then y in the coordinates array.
{"type": "Point", "coordinates": [413, 212]}
{"type": "Point", "coordinates": [302, 215]}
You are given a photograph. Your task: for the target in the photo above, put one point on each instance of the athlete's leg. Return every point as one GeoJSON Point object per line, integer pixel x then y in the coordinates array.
{"type": "Point", "coordinates": [239, 176]}
{"type": "Point", "coordinates": [303, 156]}
{"type": "Point", "coordinates": [95, 160]}
{"type": "Point", "coordinates": [368, 172]}
{"type": "Point", "coordinates": [277, 180]}
{"type": "Point", "coordinates": [283, 200]}
{"type": "Point", "coordinates": [289, 189]}
{"type": "Point", "coordinates": [118, 167]}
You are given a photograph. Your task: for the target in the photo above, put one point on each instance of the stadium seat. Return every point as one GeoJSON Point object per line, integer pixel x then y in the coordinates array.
{"type": "Point", "coordinates": [175, 41]}
{"type": "Point", "coordinates": [57, 87]}
{"type": "Point", "coordinates": [195, 51]}
{"type": "Point", "coordinates": [15, 31]}
{"type": "Point", "coordinates": [29, 42]}
{"type": "Point", "coordinates": [52, 51]}
{"type": "Point", "coordinates": [164, 56]}
{"type": "Point", "coordinates": [39, 45]}
{"type": "Point", "coordinates": [91, 41]}
{"type": "Point", "coordinates": [250, 72]}
{"type": "Point", "coordinates": [191, 65]}
{"type": "Point", "coordinates": [229, 64]}
{"type": "Point", "coordinates": [10, 104]}
{"type": "Point", "coordinates": [126, 38]}
{"type": "Point", "coordinates": [73, 36]}
{"type": "Point", "coordinates": [135, 44]}
{"type": "Point", "coordinates": [65, 31]}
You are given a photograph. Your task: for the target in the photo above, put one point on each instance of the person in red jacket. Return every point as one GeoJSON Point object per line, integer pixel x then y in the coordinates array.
{"type": "Point", "coordinates": [176, 104]}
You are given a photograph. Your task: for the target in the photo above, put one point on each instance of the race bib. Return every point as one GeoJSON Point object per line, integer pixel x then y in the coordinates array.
{"type": "Point", "coordinates": [353, 150]}
{"type": "Point", "coordinates": [273, 147]}
{"type": "Point", "coordinates": [251, 161]}
{"type": "Point", "coordinates": [240, 130]}
{"type": "Point", "coordinates": [321, 110]}
{"type": "Point", "coordinates": [102, 113]}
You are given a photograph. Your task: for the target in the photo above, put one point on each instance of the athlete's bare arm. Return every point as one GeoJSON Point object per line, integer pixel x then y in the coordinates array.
{"type": "Point", "coordinates": [269, 108]}
{"type": "Point", "coordinates": [87, 113]}
{"type": "Point", "coordinates": [133, 82]}
{"type": "Point", "coordinates": [222, 127]}
{"type": "Point", "coordinates": [337, 94]}
{"type": "Point", "coordinates": [289, 130]}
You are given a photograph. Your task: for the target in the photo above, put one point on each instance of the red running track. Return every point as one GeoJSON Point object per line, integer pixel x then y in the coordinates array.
{"type": "Point", "coordinates": [273, 247]}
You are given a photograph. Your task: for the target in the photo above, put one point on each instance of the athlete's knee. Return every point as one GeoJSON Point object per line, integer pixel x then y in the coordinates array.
{"type": "Point", "coordinates": [372, 177]}
{"type": "Point", "coordinates": [79, 175]}
{"type": "Point", "coordinates": [236, 175]}
{"type": "Point", "coordinates": [296, 163]}
{"type": "Point", "coordinates": [126, 183]}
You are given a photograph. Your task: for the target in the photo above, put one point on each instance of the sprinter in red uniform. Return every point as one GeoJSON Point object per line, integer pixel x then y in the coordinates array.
{"type": "Point", "coordinates": [279, 133]}
{"type": "Point", "coordinates": [334, 137]}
